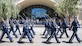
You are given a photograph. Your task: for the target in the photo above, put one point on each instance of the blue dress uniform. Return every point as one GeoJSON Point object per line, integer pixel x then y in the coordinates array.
{"type": "Point", "coordinates": [60, 26]}
{"type": "Point", "coordinates": [17, 27]}
{"type": "Point", "coordinates": [46, 27]}
{"type": "Point", "coordinates": [53, 32]}
{"type": "Point", "coordinates": [25, 33]}
{"type": "Point", "coordinates": [30, 24]}
{"type": "Point", "coordinates": [29, 29]}
{"type": "Point", "coordinates": [64, 26]}
{"type": "Point", "coordinates": [74, 27]}
{"type": "Point", "coordinates": [49, 28]}
{"type": "Point", "coordinates": [5, 31]}
{"type": "Point", "coordinates": [12, 29]}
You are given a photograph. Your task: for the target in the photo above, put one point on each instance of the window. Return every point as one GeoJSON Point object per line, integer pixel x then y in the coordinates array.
{"type": "Point", "coordinates": [38, 12]}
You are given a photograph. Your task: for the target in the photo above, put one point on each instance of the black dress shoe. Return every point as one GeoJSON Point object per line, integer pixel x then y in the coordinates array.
{"type": "Point", "coordinates": [59, 37]}
{"type": "Point", "coordinates": [19, 34]}
{"type": "Point", "coordinates": [11, 41]}
{"type": "Point", "coordinates": [7, 37]}
{"type": "Point", "coordinates": [31, 41]}
{"type": "Point", "coordinates": [20, 42]}
{"type": "Point", "coordinates": [16, 36]}
{"type": "Point", "coordinates": [24, 37]}
{"type": "Point", "coordinates": [32, 37]}
{"type": "Point", "coordinates": [58, 42]}
{"type": "Point", "coordinates": [79, 41]}
{"type": "Point", "coordinates": [13, 34]}
{"type": "Point", "coordinates": [68, 37]}
{"type": "Point", "coordinates": [42, 34]}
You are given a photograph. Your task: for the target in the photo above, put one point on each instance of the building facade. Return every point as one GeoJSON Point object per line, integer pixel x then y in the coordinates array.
{"type": "Point", "coordinates": [21, 4]}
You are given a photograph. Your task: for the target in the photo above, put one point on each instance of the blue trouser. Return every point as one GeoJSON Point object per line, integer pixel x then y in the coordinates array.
{"type": "Point", "coordinates": [26, 33]}
{"type": "Point", "coordinates": [3, 33]}
{"type": "Point", "coordinates": [48, 32]}
{"type": "Point", "coordinates": [17, 28]}
{"type": "Point", "coordinates": [46, 29]}
{"type": "Point", "coordinates": [64, 31]}
{"type": "Point", "coordinates": [29, 33]}
{"type": "Point", "coordinates": [32, 31]}
{"type": "Point", "coordinates": [11, 29]}
{"type": "Point", "coordinates": [59, 29]}
{"type": "Point", "coordinates": [53, 33]}
{"type": "Point", "coordinates": [74, 34]}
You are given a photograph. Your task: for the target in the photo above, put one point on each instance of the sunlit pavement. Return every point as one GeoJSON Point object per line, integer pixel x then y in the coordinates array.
{"type": "Point", "coordinates": [39, 41]}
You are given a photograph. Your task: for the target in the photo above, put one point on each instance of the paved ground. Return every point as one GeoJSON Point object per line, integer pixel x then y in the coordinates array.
{"type": "Point", "coordinates": [38, 40]}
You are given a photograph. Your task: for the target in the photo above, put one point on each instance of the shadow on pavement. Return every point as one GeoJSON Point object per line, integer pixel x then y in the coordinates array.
{"type": "Point", "coordinates": [70, 42]}
{"type": "Point", "coordinates": [44, 37]}
{"type": "Point", "coordinates": [41, 34]}
{"type": "Point", "coordinates": [48, 42]}
{"type": "Point", "coordinates": [3, 41]}
{"type": "Point", "coordinates": [22, 42]}
{"type": "Point", "coordinates": [67, 42]}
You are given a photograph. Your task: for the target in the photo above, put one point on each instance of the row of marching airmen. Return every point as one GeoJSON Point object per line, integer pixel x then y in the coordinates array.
{"type": "Point", "coordinates": [27, 29]}
{"type": "Point", "coordinates": [52, 30]}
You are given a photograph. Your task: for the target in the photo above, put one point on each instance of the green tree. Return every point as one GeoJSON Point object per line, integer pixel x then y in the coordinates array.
{"type": "Point", "coordinates": [67, 8]}
{"type": "Point", "coordinates": [8, 9]}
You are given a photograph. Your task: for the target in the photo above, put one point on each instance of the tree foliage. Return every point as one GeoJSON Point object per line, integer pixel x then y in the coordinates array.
{"type": "Point", "coordinates": [67, 7]}
{"type": "Point", "coordinates": [8, 9]}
